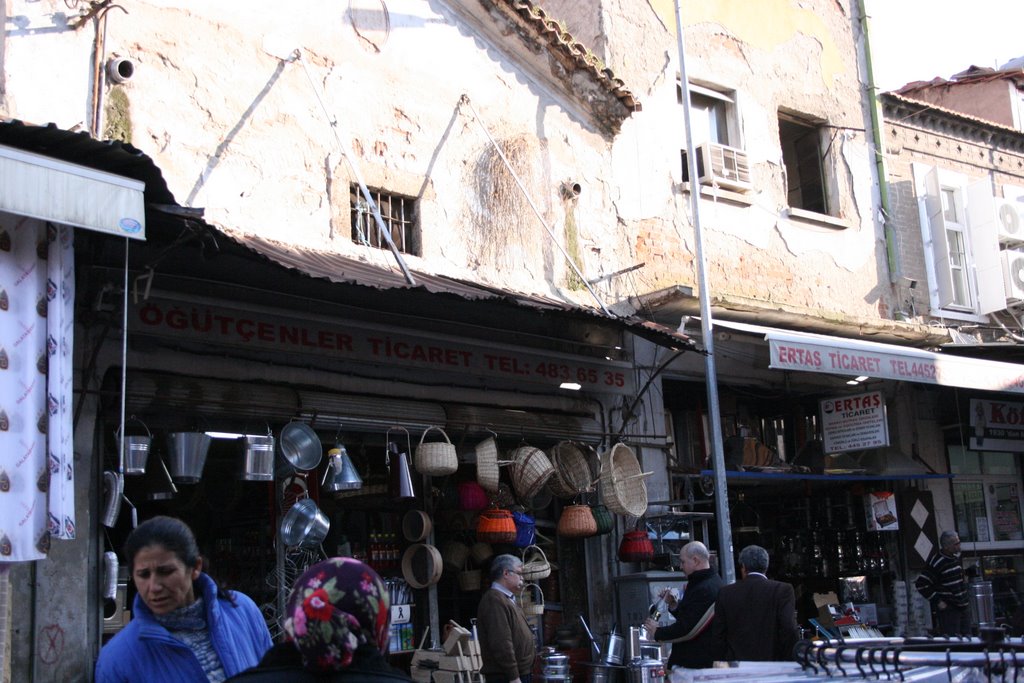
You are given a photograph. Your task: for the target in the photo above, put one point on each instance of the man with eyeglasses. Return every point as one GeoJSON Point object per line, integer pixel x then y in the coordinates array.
{"type": "Point", "coordinates": [942, 583]}
{"type": "Point", "coordinates": [506, 641]}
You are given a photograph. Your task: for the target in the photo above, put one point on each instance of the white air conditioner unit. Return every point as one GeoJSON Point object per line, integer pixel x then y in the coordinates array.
{"type": "Point", "coordinates": [1010, 218]}
{"type": "Point", "coordinates": [723, 166]}
{"type": "Point", "coordinates": [1013, 274]}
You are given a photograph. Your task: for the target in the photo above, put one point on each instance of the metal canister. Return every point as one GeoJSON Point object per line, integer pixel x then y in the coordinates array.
{"type": "Point", "coordinates": [983, 609]}
{"type": "Point", "coordinates": [642, 670]}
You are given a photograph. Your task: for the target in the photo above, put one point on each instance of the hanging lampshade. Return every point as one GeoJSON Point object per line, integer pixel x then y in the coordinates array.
{"type": "Point", "coordinates": [341, 474]}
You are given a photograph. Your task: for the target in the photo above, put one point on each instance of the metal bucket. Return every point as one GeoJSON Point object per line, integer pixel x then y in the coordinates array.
{"type": "Point", "coordinates": [983, 607]}
{"type": "Point", "coordinates": [613, 649]}
{"type": "Point", "coordinates": [136, 450]}
{"type": "Point", "coordinates": [257, 457]}
{"type": "Point", "coordinates": [187, 452]}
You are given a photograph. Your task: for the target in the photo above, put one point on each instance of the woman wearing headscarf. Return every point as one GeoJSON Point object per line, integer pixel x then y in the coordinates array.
{"type": "Point", "coordinates": [184, 627]}
{"type": "Point", "coordinates": [337, 622]}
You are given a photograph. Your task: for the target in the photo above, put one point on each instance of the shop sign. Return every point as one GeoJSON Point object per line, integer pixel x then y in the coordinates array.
{"type": "Point", "coordinates": [996, 425]}
{"type": "Point", "coordinates": [360, 342]}
{"type": "Point", "coordinates": [854, 423]}
{"type": "Point", "coordinates": [908, 365]}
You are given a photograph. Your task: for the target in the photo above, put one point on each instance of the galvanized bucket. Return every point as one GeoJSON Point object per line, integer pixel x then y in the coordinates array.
{"type": "Point", "coordinates": [257, 457]}
{"type": "Point", "coordinates": [136, 449]}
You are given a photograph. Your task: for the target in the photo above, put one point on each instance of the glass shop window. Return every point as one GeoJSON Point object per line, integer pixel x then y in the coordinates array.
{"type": "Point", "coordinates": [987, 496]}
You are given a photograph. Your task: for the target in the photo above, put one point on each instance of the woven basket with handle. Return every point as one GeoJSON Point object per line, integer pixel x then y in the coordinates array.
{"type": "Point", "coordinates": [535, 564]}
{"type": "Point", "coordinates": [623, 485]}
{"type": "Point", "coordinates": [470, 579]}
{"type": "Point", "coordinates": [531, 469]}
{"type": "Point", "coordinates": [436, 458]}
{"type": "Point", "coordinates": [531, 600]}
{"type": "Point", "coordinates": [573, 471]}
{"type": "Point", "coordinates": [577, 521]}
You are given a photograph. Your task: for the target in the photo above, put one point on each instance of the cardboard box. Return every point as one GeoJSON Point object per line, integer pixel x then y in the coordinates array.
{"type": "Point", "coordinates": [822, 601]}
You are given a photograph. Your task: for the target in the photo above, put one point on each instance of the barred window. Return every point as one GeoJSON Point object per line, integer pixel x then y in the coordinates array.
{"type": "Point", "coordinates": [400, 219]}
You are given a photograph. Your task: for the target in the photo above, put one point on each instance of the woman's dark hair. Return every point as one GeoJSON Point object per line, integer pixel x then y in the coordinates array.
{"type": "Point", "coordinates": [173, 535]}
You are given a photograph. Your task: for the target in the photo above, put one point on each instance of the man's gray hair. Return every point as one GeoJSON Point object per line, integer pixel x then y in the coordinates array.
{"type": "Point", "coordinates": [696, 550]}
{"type": "Point", "coordinates": [946, 538]}
{"type": "Point", "coordinates": [754, 558]}
{"type": "Point", "coordinates": [503, 563]}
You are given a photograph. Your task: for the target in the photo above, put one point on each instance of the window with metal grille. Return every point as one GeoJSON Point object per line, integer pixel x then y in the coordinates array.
{"type": "Point", "coordinates": [399, 214]}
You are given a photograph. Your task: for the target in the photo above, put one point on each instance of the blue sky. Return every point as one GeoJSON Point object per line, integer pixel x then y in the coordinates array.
{"type": "Point", "coordinates": [917, 40]}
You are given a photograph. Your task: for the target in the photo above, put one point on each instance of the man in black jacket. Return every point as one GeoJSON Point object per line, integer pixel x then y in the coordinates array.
{"type": "Point", "coordinates": [690, 635]}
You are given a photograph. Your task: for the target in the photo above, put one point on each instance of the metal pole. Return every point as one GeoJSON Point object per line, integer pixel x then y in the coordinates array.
{"type": "Point", "coordinates": [725, 560]}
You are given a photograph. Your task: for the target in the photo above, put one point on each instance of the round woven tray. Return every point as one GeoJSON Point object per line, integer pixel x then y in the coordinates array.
{"type": "Point", "coordinates": [573, 471]}
{"type": "Point", "coordinates": [623, 484]}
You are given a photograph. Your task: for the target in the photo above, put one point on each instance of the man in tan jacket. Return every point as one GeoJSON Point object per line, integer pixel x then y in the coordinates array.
{"type": "Point", "coordinates": [506, 641]}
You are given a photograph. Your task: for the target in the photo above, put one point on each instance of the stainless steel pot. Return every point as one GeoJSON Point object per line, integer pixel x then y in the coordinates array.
{"type": "Point", "coordinates": [304, 523]}
{"type": "Point", "coordinates": [300, 446]}
{"type": "Point", "coordinates": [554, 665]}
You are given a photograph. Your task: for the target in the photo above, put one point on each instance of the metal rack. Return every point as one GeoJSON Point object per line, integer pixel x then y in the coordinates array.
{"type": "Point", "coordinates": [675, 528]}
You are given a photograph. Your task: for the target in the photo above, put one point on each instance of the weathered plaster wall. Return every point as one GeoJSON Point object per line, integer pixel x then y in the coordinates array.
{"type": "Point", "coordinates": [798, 56]}
{"type": "Point", "coordinates": [240, 131]}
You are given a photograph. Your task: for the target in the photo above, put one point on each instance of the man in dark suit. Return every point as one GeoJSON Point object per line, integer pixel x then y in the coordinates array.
{"type": "Point", "coordinates": [755, 618]}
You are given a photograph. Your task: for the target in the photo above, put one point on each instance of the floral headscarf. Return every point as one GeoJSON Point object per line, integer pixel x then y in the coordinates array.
{"type": "Point", "coordinates": [334, 607]}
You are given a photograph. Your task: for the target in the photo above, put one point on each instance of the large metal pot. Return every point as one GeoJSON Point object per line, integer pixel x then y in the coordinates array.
{"type": "Point", "coordinates": [300, 446]}
{"type": "Point", "coordinates": [304, 524]}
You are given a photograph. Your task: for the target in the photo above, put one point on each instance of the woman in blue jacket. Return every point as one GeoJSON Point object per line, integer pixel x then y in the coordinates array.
{"type": "Point", "coordinates": [184, 627]}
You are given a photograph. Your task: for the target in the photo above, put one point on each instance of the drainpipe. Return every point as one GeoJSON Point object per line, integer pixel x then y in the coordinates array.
{"type": "Point", "coordinates": [875, 108]}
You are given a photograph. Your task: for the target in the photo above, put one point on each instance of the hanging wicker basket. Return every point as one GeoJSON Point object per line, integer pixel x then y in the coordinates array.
{"type": "Point", "coordinates": [481, 552]}
{"type": "Point", "coordinates": [535, 564]}
{"type": "Point", "coordinates": [531, 600]}
{"type": "Point", "coordinates": [603, 517]}
{"type": "Point", "coordinates": [454, 555]}
{"type": "Point", "coordinates": [496, 526]}
{"type": "Point", "coordinates": [623, 485]}
{"type": "Point", "coordinates": [470, 579]}
{"type": "Point", "coordinates": [531, 469]}
{"type": "Point", "coordinates": [436, 458]}
{"type": "Point", "coordinates": [488, 467]}
{"type": "Point", "coordinates": [577, 521]}
{"type": "Point", "coordinates": [573, 470]}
